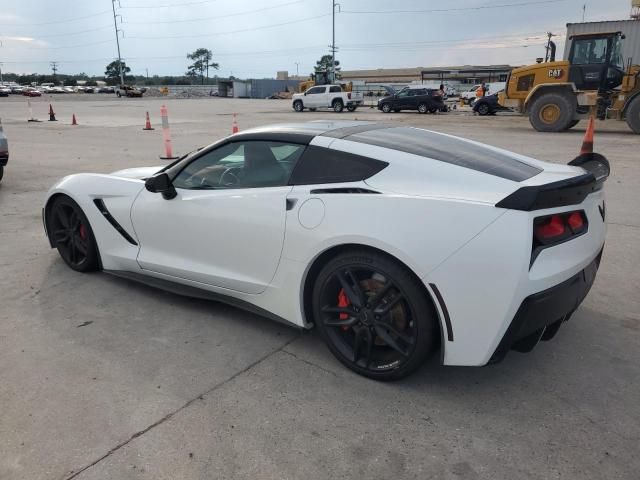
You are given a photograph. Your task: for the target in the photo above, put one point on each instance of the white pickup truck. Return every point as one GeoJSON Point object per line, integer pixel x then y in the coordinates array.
{"type": "Point", "coordinates": [327, 96]}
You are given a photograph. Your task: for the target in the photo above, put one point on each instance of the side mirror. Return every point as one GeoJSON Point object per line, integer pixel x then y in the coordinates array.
{"type": "Point", "coordinates": [161, 183]}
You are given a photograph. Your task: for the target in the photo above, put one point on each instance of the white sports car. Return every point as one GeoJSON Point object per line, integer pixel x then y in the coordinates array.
{"type": "Point", "coordinates": [394, 242]}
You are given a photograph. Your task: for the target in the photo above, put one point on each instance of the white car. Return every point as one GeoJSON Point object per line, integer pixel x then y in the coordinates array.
{"type": "Point", "coordinates": [394, 242]}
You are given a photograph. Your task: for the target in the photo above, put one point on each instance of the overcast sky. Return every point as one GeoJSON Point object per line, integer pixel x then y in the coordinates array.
{"type": "Point", "coordinates": [252, 38]}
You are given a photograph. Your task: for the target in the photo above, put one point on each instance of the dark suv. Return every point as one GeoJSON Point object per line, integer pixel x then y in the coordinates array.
{"type": "Point", "coordinates": [424, 100]}
{"type": "Point", "coordinates": [4, 151]}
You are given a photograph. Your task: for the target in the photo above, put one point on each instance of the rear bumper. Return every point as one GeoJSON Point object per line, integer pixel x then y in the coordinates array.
{"type": "Point", "coordinates": [541, 314]}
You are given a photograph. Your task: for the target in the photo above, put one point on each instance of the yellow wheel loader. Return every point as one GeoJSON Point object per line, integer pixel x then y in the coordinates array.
{"type": "Point", "coordinates": [556, 95]}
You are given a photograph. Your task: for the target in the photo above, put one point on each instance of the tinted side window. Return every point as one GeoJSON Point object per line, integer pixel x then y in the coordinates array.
{"type": "Point", "coordinates": [323, 165]}
{"type": "Point", "coordinates": [316, 90]}
{"type": "Point", "coordinates": [241, 165]}
{"type": "Point", "coordinates": [335, 89]}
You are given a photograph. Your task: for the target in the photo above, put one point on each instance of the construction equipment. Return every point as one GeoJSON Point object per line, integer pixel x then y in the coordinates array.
{"type": "Point", "coordinates": [323, 78]}
{"type": "Point", "coordinates": [558, 94]}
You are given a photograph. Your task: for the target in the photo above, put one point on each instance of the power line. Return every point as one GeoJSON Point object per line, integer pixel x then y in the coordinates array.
{"type": "Point", "coordinates": [456, 9]}
{"type": "Point", "coordinates": [171, 5]}
{"type": "Point", "coordinates": [201, 19]}
{"type": "Point", "coordinates": [55, 21]}
{"type": "Point", "coordinates": [54, 67]}
{"type": "Point", "coordinates": [231, 32]}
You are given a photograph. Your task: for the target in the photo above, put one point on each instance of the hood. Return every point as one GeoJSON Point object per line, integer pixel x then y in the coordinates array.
{"type": "Point", "coordinates": [139, 173]}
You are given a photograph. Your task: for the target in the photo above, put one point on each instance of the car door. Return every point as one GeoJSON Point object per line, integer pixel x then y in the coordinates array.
{"type": "Point", "coordinates": [225, 227]}
{"type": "Point", "coordinates": [315, 97]}
{"type": "Point", "coordinates": [403, 100]}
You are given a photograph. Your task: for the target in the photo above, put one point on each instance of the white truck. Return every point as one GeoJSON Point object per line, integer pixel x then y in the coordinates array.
{"type": "Point", "coordinates": [327, 96]}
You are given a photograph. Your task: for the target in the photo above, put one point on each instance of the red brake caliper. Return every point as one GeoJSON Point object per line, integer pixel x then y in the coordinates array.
{"type": "Point", "coordinates": [343, 301]}
{"type": "Point", "coordinates": [83, 232]}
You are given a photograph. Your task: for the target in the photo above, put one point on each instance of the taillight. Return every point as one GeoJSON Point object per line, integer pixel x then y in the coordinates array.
{"type": "Point", "coordinates": [557, 228]}
{"type": "Point", "coordinates": [349, 95]}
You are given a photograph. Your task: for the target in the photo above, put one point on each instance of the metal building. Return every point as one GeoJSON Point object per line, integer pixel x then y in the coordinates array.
{"type": "Point", "coordinates": [630, 29]}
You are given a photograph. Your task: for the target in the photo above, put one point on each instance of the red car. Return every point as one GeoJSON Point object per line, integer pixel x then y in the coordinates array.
{"type": "Point", "coordinates": [31, 93]}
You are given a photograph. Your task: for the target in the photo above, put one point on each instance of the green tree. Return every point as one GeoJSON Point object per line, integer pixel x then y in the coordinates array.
{"type": "Point", "coordinates": [325, 65]}
{"type": "Point", "coordinates": [112, 72]}
{"type": "Point", "coordinates": [202, 60]}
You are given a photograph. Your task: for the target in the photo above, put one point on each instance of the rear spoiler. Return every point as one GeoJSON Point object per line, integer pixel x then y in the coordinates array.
{"type": "Point", "coordinates": [571, 191]}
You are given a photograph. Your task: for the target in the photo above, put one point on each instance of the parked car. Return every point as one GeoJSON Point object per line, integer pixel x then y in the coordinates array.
{"type": "Point", "coordinates": [106, 90]}
{"type": "Point", "coordinates": [5, 92]}
{"type": "Point", "coordinates": [4, 151]}
{"type": "Point", "coordinates": [17, 89]}
{"type": "Point", "coordinates": [383, 294]}
{"type": "Point", "coordinates": [488, 105]}
{"type": "Point", "coordinates": [413, 97]}
{"type": "Point", "coordinates": [89, 90]}
{"type": "Point", "coordinates": [327, 96]}
{"type": "Point", "coordinates": [31, 92]}
{"type": "Point", "coordinates": [68, 90]}
{"type": "Point", "coordinates": [128, 91]}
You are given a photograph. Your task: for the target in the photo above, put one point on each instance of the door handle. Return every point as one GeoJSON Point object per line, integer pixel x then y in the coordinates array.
{"type": "Point", "coordinates": [291, 202]}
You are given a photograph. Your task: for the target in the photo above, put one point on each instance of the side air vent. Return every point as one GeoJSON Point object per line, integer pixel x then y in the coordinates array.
{"type": "Point", "coordinates": [351, 190]}
{"type": "Point", "coordinates": [114, 223]}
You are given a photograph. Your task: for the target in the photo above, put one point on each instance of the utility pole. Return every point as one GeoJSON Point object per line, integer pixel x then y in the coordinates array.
{"type": "Point", "coordinates": [333, 40]}
{"type": "Point", "coordinates": [584, 10]}
{"type": "Point", "coordinates": [115, 24]}
{"type": "Point", "coordinates": [297, 68]}
{"type": "Point", "coordinates": [54, 67]}
{"type": "Point", "coordinates": [548, 47]}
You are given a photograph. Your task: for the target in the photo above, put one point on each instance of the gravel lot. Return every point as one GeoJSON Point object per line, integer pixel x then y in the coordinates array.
{"type": "Point", "coordinates": [101, 378]}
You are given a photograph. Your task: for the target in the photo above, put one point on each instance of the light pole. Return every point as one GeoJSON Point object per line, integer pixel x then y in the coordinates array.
{"type": "Point", "coordinates": [297, 69]}
{"type": "Point", "coordinates": [115, 24]}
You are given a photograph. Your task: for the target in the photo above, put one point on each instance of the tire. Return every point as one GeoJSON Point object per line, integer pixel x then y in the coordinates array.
{"type": "Point", "coordinates": [433, 110]}
{"type": "Point", "coordinates": [386, 108]}
{"type": "Point", "coordinates": [70, 231]}
{"type": "Point", "coordinates": [1, 173]}
{"type": "Point", "coordinates": [552, 112]}
{"type": "Point", "coordinates": [298, 106]}
{"type": "Point", "coordinates": [337, 106]}
{"type": "Point", "coordinates": [483, 109]}
{"type": "Point", "coordinates": [423, 108]}
{"type": "Point", "coordinates": [633, 115]}
{"type": "Point", "coordinates": [352, 108]}
{"type": "Point", "coordinates": [118, 94]}
{"type": "Point", "coordinates": [386, 339]}
{"type": "Point", "coordinates": [572, 124]}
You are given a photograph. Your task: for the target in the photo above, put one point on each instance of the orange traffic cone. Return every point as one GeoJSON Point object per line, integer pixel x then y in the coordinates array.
{"type": "Point", "coordinates": [234, 125]}
{"type": "Point", "coordinates": [73, 120]}
{"type": "Point", "coordinates": [587, 143]}
{"type": "Point", "coordinates": [52, 114]}
{"type": "Point", "coordinates": [147, 125]}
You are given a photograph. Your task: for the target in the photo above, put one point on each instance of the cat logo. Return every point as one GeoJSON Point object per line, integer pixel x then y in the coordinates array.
{"type": "Point", "coordinates": [555, 72]}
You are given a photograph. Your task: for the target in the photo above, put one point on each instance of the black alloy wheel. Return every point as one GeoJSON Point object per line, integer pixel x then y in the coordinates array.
{"type": "Point", "coordinates": [373, 316]}
{"type": "Point", "coordinates": [483, 109]}
{"type": "Point", "coordinates": [71, 233]}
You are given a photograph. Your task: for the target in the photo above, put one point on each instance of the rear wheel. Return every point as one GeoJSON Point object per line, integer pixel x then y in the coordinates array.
{"type": "Point", "coordinates": [633, 115]}
{"type": "Point", "coordinates": [386, 108]}
{"type": "Point", "coordinates": [552, 112]}
{"type": "Point", "coordinates": [483, 109]}
{"type": "Point", "coordinates": [373, 316]}
{"type": "Point", "coordinates": [337, 106]}
{"type": "Point", "coordinates": [71, 233]}
{"type": "Point", "coordinates": [297, 106]}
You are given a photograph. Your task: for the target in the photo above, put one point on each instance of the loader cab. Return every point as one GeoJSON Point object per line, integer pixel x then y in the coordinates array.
{"type": "Point", "coordinates": [596, 61]}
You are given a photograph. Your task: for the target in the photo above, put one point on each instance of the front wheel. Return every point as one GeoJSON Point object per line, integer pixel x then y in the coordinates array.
{"type": "Point", "coordinates": [633, 115]}
{"type": "Point", "coordinates": [373, 316]}
{"type": "Point", "coordinates": [552, 112]}
{"type": "Point", "coordinates": [352, 108]}
{"type": "Point", "coordinates": [297, 106]}
{"type": "Point", "coordinates": [386, 108]}
{"type": "Point", "coordinates": [118, 94]}
{"type": "Point", "coordinates": [72, 235]}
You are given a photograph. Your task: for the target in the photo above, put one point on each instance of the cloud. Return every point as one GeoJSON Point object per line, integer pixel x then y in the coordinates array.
{"type": "Point", "coordinates": [23, 41]}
